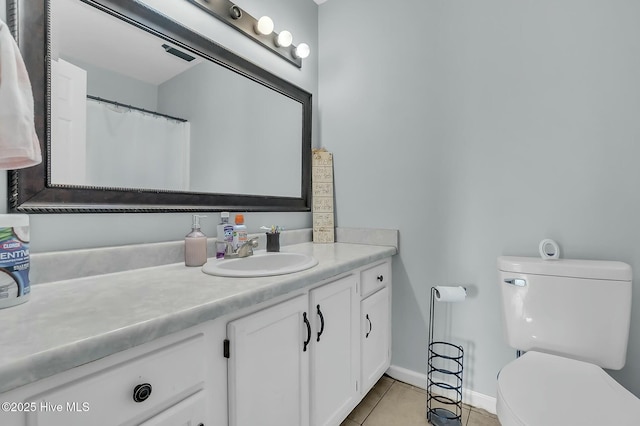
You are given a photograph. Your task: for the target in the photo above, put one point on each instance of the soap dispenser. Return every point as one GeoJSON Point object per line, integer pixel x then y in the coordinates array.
{"type": "Point", "coordinates": [195, 245]}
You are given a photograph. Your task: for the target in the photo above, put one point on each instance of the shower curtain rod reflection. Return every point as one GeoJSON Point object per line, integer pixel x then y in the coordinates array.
{"type": "Point", "coordinates": [131, 107]}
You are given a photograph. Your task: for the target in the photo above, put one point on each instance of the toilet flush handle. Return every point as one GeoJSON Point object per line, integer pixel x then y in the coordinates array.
{"type": "Point", "coordinates": [520, 282]}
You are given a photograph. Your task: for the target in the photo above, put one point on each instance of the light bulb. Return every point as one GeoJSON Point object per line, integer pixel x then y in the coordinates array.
{"type": "Point", "coordinates": [302, 51]}
{"type": "Point", "coordinates": [284, 39]}
{"type": "Point", "coordinates": [264, 26]}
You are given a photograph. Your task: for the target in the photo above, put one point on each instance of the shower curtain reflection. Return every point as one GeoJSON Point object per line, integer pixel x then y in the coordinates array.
{"type": "Point", "coordinates": [127, 148]}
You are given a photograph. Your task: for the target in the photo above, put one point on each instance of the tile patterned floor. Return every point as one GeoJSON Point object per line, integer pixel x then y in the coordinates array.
{"type": "Point", "coordinates": [394, 403]}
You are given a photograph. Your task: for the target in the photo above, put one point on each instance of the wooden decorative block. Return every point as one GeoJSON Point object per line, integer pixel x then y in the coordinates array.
{"type": "Point", "coordinates": [322, 191]}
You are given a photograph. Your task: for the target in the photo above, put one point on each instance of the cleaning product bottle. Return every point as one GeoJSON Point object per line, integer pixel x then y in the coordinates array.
{"type": "Point", "coordinates": [14, 259]}
{"type": "Point", "coordinates": [224, 235]}
{"type": "Point", "coordinates": [239, 232]}
{"type": "Point", "coordinates": [195, 245]}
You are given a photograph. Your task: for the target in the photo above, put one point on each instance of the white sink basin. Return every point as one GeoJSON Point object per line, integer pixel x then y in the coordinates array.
{"type": "Point", "coordinates": [261, 264]}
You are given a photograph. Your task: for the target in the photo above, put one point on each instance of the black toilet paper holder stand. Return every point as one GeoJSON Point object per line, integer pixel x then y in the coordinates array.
{"type": "Point", "coordinates": [444, 378]}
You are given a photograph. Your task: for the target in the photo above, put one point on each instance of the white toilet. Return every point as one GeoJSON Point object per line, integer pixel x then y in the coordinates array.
{"type": "Point", "coordinates": [572, 318]}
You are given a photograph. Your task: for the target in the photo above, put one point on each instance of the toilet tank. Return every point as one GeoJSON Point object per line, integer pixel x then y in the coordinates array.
{"type": "Point", "coordinates": [580, 309]}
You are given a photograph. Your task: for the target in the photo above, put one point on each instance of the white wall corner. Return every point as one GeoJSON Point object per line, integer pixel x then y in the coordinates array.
{"type": "Point", "coordinates": [419, 380]}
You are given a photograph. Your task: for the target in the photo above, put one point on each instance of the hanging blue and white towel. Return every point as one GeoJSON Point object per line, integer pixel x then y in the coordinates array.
{"type": "Point", "coordinates": [19, 146]}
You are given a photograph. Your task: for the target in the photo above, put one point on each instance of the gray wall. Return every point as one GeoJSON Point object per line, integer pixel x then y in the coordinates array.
{"type": "Point", "coordinates": [114, 86]}
{"type": "Point", "coordinates": [59, 232]}
{"type": "Point", "coordinates": [479, 129]}
{"type": "Point", "coordinates": [239, 130]}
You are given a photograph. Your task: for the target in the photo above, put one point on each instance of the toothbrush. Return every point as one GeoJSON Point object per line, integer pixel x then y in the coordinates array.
{"type": "Point", "coordinates": [275, 229]}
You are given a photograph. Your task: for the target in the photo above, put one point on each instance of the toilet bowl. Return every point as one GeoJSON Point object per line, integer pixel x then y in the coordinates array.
{"type": "Point", "coordinates": [540, 389]}
{"type": "Point", "coordinates": [572, 319]}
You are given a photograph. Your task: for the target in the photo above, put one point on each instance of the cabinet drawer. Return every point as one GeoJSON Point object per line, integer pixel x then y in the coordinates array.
{"type": "Point", "coordinates": [109, 396]}
{"type": "Point", "coordinates": [189, 412]}
{"type": "Point", "coordinates": [374, 278]}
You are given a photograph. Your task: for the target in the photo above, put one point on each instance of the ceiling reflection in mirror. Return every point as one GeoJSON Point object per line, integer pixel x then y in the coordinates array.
{"type": "Point", "coordinates": [133, 110]}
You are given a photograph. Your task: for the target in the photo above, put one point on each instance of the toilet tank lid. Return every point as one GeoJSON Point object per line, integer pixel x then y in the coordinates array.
{"type": "Point", "coordinates": [590, 269]}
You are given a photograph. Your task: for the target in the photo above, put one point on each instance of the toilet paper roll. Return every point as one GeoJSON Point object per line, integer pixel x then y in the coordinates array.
{"type": "Point", "coordinates": [450, 294]}
{"type": "Point", "coordinates": [549, 249]}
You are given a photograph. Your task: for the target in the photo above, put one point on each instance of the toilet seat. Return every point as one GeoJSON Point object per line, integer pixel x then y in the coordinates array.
{"type": "Point", "coordinates": [539, 389]}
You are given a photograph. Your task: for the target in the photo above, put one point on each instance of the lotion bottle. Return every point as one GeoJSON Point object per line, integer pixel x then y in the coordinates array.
{"type": "Point", "coordinates": [195, 245]}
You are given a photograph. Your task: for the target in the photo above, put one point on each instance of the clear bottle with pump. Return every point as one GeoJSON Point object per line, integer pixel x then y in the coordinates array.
{"type": "Point", "coordinates": [239, 232]}
{"type": "Point", "coordinates": [195, 245]}
{"type": "Point", "coordinates": [224, 235]}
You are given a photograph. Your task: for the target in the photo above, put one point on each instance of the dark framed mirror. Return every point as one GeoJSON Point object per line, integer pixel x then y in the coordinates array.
{"type": "Point", "coordinates": [213, 131]}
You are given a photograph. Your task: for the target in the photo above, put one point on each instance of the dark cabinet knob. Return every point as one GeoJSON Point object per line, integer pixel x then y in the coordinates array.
{"type": "Point", "coordinates": [380, 278]}
{"type": "Point", "coordinates": [141, 392]}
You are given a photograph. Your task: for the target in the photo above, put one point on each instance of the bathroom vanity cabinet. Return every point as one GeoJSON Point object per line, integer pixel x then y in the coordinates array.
{"type": "Point", "coordinates": [303, 358]}
{"type": "Point", "coordinates": [311, 359]}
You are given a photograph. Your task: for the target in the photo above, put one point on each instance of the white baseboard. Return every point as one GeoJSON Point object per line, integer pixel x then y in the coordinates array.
{"type": "Point", "coordinates": [419, 380]}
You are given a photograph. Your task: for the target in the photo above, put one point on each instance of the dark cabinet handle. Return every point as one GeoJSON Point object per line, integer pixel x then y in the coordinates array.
{"type": "Point", "coordinates": [380, 278]}
{"type": "Point", "coordinates": [321, 323]}
{"type": "Point", "coordinates": [141, 392]}
{"type": "Point", "coordinates": [370, 327]}
{"type": "Point", "coordinates": [306, 322]}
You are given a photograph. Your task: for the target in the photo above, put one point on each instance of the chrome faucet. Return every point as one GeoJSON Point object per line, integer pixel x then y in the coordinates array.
{"type": "Point", "coordinates": [229, 252]}
{"type": "Point", "coordinates": [245, 250]}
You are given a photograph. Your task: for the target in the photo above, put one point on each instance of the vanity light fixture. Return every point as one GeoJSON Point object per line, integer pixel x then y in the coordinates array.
{"type": "Point", "coordinates": [258, 30]}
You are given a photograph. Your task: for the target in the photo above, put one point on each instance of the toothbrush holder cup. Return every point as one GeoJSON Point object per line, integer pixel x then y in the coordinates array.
{"type": "Point", "coordinates": [273, 242]}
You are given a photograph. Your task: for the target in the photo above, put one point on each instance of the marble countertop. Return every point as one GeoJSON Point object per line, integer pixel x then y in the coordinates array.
{"type": "Point", "coordinates": [72, 322]}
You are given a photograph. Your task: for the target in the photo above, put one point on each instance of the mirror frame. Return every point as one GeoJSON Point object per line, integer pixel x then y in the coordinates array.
{"type": "Point", "coordinates": [31, 190]}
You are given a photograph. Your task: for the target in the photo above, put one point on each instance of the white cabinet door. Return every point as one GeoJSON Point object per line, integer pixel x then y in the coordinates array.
{"type": "Point", "coordinates": [269, 366]}
{"type": "Point", "coordinates": [375, 337]}
{"type": "Point", "coordinates": [335, 351]}
{"type": "Point", "coordinates": [190, 412]}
